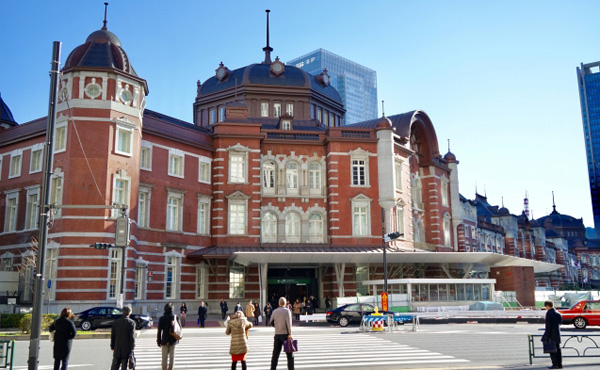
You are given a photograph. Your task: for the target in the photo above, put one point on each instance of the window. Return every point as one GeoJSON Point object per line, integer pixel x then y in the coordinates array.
{"type": "Point", "coordinates": [286, 124]}
{"type": "Point", "coordinates": [359, 172]}
{"type": "Point", "coordinates": [140, 281]}
{"type": "Point", "coordinates": [268, 176]}
{"type": "Point", "coordinates": [203, 215]}
{"type": "Point", "coordinates": [124, 140]}
{"type": "Point", "coordinates": [32, 209]}
{"type": "Point", "coordinates": [314, 176]}
{"type": "Point", "coordinates": [417, 193]}
{"type": "Point", "coordinates": [171, 278]}
{"type": "Point", "coordinates": [319, 114]}
{"type": "Point", "coordinates": [236, 282]}
{"type": "Point", "coordinates": [144, 207]}
{"type": "Point", "coordinates": [276, 109]}
{"type": "Point", "coordinates": [289, 109]}
{"type": "Point", "coordinates": [361, 224]}
{"type": "Point", "coordinates": [15, 164]}
{"type": "Point", "coordinates": [60, 137]}
{"type": "Point", "coordinates": [269, 228]}
{"type": "Point", "coordinates": [237, 167]}
{"type": "Point", "coordinates": [6, 263]}
{"type": "Point", "coordinates": [114, 282]}
{"type": "Point", "coordinates": [56, 188]}
{"type": "Point", "coordinates": [35, 165]}
{"type": "Point", "coordinates": [398, 175]}
{"type": "Point", "coordinates": [120, 192]}
{"type": "Point", "coordinates": [10, 216]}
{"type": "Point", "coordinates": [237, 218]}
{"type": "Point", "coordinates": [292, 227]}
{"type": "Point", "coordinates": [146, 156]}
{"type": "Point", "coordinates": [201, 281]}
{"type": "Point", "coordinates": [204, 170]}
{"type": "Point", "coordinates": [362, 274]}
{"type": "Point", "coordinates": [400, 219]}
{"type": "Point", "coordinates": [315, 228]}
{"type": "Point", "coordinates": [221, 114]}
{"type": "Point", "coordinates": [264, 109]}
{"type": "Point", "coordinates": [174, 211]}
{"type": "Point", "coordinates": [447, 238]}
{"type": "Point", "coordinates": [325, 118]}
{"type": "Point", "coordinates": [176, 163]}
{"type": "Point", "coordinates": [444, 190]}
{"type": "Point", "coordinates": [291, 175]}
{"type": "Point", "coordinates": [212, 114]}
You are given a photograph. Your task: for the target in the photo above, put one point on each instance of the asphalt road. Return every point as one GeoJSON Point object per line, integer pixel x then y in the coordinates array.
{"type": "Point", "coordinates": [446, 346]}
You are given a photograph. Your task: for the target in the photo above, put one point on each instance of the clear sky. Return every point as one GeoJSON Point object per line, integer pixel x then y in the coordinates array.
{"type": "Point", "coordinates": [496, 78]}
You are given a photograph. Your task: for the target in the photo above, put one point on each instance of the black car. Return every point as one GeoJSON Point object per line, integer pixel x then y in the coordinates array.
{"type": "Point", "coordinates": [103, 317]}
{"type": "Point", "coordinates": [353, 313]}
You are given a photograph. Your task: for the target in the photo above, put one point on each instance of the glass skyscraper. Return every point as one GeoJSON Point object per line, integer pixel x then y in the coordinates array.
{"type": "Point", "coordinates": [356, 84]}
{"type": "Point", "coordinates": [588, 78]}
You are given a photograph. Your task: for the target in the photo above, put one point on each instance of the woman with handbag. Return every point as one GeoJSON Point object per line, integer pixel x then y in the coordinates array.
{"type": "Point", "coordinates": [64, 331]}
{"type": "Point", "coordinates": [183, 313]}
{"type": "Point", "coordinates": [238, 328]}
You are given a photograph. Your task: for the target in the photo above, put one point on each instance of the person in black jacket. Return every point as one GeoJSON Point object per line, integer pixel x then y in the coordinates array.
{"type": "Point", "coordinates": [122, 340]}
{"type": "Point", "coordinates": [268, 310]}
{"type": "Point", "coordinates": [164, 339]}
{"type": "Point", "coordinates": [202, 313]}
{"type": "Point", "coordinates": [183, 313]}
{"type": "Point", "coordinates": [224, 308]}
{"type": "Point", "coordinates": [552, 333]}
{"type": "Point", "coordinates": [64, 332]}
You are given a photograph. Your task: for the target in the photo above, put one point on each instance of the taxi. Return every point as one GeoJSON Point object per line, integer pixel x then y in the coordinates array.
{"type": "Point", "coordinates": [582, 314]}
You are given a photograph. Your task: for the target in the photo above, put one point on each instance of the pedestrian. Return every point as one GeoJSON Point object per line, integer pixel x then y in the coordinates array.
{"type": "Point", "coordinates": [64, 332]}
{"type": "Point", "coordinates": [297, 308]}
{"type": "Point", "coordinates": [256, 312]}
{"type": "Point", "coordinates": [238, 307]}
{"type": "Point", "coordinates": [202, 313]}
{"type": "Point", "coordinates": [183, 313]}
{"type": "Point", "coordinates": [308, 307]}
{"type": "Point", "coordinates": [327, 303]}
{"type": "Point", "coordinates": [268, 310]}
{"type": "Point", "coordinates": [122, 340]}
{"type": "Point", "coordinates": [552, 333]}
{"type": "Point", "coordinates": [224, 308]}
{"type": "Point", "coordinates": [164, 339]}
{"type": "Point", "coordinates": [238, 328]}
{"type": "Point", "coordinates": [250, 309]}
{"type": "Point", "coordinates": [314, 303]}
{"type": "Point", "coordinates": [282, 320]}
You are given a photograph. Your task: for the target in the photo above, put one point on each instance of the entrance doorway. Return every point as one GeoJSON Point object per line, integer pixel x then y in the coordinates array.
{"type": "Point", "coordinates": [293, 283]}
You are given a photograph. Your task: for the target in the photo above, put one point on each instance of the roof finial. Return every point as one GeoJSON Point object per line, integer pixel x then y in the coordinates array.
{"type": "Point", "coordinates": [553, 205]}
{"type": "Point", "coordinates": [267, 49]}
{"type": "Point", "coordinates": [105, 11]}
{"type": "Point", "coordinates": [448, 145]}
{"type": "Point", "coordinates": [502, 201]}
{"type": "Point", "coordinates": [383, 108]}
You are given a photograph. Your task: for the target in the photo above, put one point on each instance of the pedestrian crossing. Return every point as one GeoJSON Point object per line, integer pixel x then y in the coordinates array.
{"type": "Point", "coordinates": [316, 351]}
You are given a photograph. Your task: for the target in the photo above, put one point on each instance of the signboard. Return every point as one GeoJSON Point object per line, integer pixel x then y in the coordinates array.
{"type": "Point", "coordinates": [384, 301]}
{"type": "Point", "coordinates": [49, 283]}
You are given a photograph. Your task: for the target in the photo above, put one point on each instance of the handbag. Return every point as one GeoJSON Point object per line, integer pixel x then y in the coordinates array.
{"type": "Point", "coordinates": [259, 318]}
{"type": "Point", "coordinates": [550, 346]}
{"type": "Point", "coordinates": [131, 361]}
{"type": "Point", "coordinates": [290, 345]}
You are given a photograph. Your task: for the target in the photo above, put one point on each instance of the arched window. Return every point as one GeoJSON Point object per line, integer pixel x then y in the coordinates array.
{"type": "Point", "coordinates": [269, 228]}
{"type": "Point", "coordinates": [291, 175]}
{"type": "Point", "coordinates": [417, 193]}
{"type": "Point", "coordinates": [315, 228]}
{"type": "Point", "coordinates": [314, 176]}
{"type": "Point", "coordinates": [292, 227]}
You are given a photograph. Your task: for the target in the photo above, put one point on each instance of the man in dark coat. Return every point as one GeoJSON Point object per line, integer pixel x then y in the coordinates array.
{"type": "Point", "coordinates": [202, 313]}
{"type": "Point", "coordinates": [164, 339]}
{"type": "Point", "coordinates": [122, 340]}
{"type": "Point", "coordinates": [224, 308]}
{"type": "Point", "coordinates": [64, 332]}
{"type": "Point", "coordinates": [552, 333]}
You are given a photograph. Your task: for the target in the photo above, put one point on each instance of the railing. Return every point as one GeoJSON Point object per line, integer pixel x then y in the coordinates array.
{"type": "Point", "coordinates": [276, 135]}
{"type": "Point", "coordinates": [573, 346]}
{"type": "Point", "coordinates": [356, 134]}
{"type": "Point", "coordinates": [7, 351]}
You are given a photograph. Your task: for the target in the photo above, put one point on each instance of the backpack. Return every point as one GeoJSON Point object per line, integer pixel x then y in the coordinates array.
{"type": "Point", "coordinates": [176, 331]}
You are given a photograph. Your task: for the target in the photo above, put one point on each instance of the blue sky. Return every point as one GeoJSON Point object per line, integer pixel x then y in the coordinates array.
{"type": "Point", "coordinates": [497, 78]}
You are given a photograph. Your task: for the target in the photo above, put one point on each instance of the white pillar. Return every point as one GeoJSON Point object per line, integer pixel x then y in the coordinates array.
{"type": "Point", "coordinates": [340, 268]}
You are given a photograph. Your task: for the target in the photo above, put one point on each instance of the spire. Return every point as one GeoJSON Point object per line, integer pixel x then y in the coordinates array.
{"type": "Point", "coordinates": [526, 204]}
{"type": "Point", "coordinates": [105, 11]}
{"type": "Point", "coordinates": [267, 49]}
{"type": "Point", "coordinates": [383, 108]}
{"type": "Point", "coordinates": [553, 205]}
{"type": "Point", "coordinates": [448, 145]}
{"type": "Point", "coordinates": [502, 201]}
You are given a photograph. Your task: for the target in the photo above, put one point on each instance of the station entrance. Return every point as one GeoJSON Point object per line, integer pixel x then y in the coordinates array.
{"type": "Point", "coordinates": [293, 283]}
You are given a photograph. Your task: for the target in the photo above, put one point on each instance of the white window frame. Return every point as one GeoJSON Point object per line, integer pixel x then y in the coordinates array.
{"type": "Point", "coordinates": [7, 261]}
{"type": "Point", "coordinates": [15, 164]}
{"type": "Point", "coordinates": [60, 137]}
{"type": "Point", "coordinates": [212, 116]}
{"type": "Point", "coordinates": [237, 225]}
{"type": "Point", "coordinates": [203, 227]}
{"type": "Point", "coordinates": [276, 110]}
{"type": "Point", "coordinates": [289, 109]}
{"type": "Point", "coordinates": [114, 271]}
{"type": "Point", "coordinates": [293, 227]}
{"type": "Point", "coordinates": [11, 211]}
{"type": "Point", "coordinates": [204, 170]}
{"type": "Point", "coordinates": [57, 189]}
{"type": "Point", "coordinates": [124, 139]}
{"type": "Point", "coordinates": [140, 285]}
{"type": "Point", "coordinates": [444, 190]}
{"type": "Point", "coordinates": [269, 227]}
{"type": "Point", "coordinates": [238, 172]}
{"type": "Point", "coordinates": [361, 207]}
{"type": "Point", "coordinates": [447, 229]}
{"type": "Point", "coordinates": [174, 208]}
{"type": "Point", "coordinates": [174, 170]}
{"type": "Point", "coordinates": [316, 232]}
{"type": "Point", "coordinates": [269, 177]}
{"type": "Point", "coordinates": [292, 177]}
{"type": "Point", "coordinates": [286, 124]}
{"type": "Point", "coordinates": [201, 281]}
{"type": "Point", "coordinates": [121, 195]}
{"type": "Point", "coordinates": [400, 220]}
{"type": "Point", "coordinates": [143, 219]}
{"type": "Point", "coordinates": [264, 109]}
{"type": "Point", "coordinates": [221, 114]}
{"type": "Point", "coordinates": [32, 208]}
{"type": "Point", "coordinates": [236, 282]}
{"type": "Point", "coordinates": [146, 160]}
{"type": "Point", "coordinates": [315, 178]}
{"type": "Point", "coordinates": [172, 265]}
{"type": "Point", "coordinates": [37, 152]}
{"type": "Point", "coordinates": [358, 164]}
{"type": "Point", "coordinates": [398, 175]}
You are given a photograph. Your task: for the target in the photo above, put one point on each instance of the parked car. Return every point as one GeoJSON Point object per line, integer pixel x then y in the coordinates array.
{"type": "Point", "coordinates": [582, 314]}
{"type": "Point", "coordinates": [103, 317]}
{"type": "Point", "coordinates": [354, 312]}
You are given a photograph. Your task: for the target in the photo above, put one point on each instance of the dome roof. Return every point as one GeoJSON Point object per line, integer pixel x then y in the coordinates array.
{"type": "Point", "coordinates": [502, 211]}
{"type": "Point", "coordinates": [102, 49]}
{"type": "Point", "coordinates": [384, 123]}
{"type": "Point", "coordinates": [5, 113]}
{"type": "Point", "coordinates": [450, 157]}
{"type": "Point", "coordinates": [559, 220]}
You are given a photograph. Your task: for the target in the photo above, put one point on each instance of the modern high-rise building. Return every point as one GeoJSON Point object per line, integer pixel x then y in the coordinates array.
{"type": "Point", "coordinates": [588, 78]}
{"type": "Point", "coordinates": [356, 84]}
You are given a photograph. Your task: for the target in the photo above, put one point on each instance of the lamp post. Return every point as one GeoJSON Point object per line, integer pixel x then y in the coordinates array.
{"type": "Point", "coordinates": [386, 239]}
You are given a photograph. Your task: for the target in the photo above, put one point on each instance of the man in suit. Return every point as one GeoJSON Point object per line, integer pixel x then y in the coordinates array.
{"type": "Point", "coordinates": [122, 340]}
{"type": "Point", "coordinates": [202, 313]}
{"type": "Point", "coordinates": [552, 333]}
{"type": "Point", "coordinates": [282, 320]}
{"type": "Point", "coordinates": [224, 308]}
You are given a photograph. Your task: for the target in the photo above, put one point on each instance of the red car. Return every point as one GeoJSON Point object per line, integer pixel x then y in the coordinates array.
{"type": "Point", "coordinates": [582, 314]}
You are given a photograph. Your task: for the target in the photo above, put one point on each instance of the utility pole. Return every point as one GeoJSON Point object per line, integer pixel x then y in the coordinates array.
{"type": "Point", "coordinates": [36, 316]}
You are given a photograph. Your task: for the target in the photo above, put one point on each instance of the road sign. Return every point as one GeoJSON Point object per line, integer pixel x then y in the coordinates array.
{"type": "Point", "coordinates": [384, 301]}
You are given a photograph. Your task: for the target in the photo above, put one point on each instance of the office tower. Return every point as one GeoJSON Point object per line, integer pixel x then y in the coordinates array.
{"type": "Point", "coordinates": [588, 78]}
{"type": "Point", "coordinates": [356, 84]}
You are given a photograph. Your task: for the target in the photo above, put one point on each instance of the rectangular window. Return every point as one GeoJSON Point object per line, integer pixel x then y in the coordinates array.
{"type": "Point", "coordinates": [286, 124]}
{"type": "Point", "coordinates": [35, 165]}
{"type": "Point", "coordinates": [10, 217]}
{"type": "Point", "coordinates": [319, 114]}
{"type": "Point", "coordinates": [124, 140]}
{"type": "Point", "coordinates": [362, 274]}
{"type": "Point", "coordinates": [146, 157]}
{"type": "Point", "coordinates": [31, 212]}
{"type": "Point", "coordinates": [360, 221]}
{"type": "Point", "coordinates": [359, 172]}
{"type": "Point", "coordinates": [171, 278]}
{"type": "Point", "coordinates": [114, 287]}
{"type": "Point", "coordinates": [140, 281]}
{"type": "Point", "coordinates": [289, 109]}
{"type": "Point", "coordinates": [144, 207]}
{"type": "Point", "coordinates": [120, 194]}
{"type": "Point", "coordinates": [204, 171]}
{"type": "Point", "coordinates": [237, 168]}
{"type": "Point", "coordinates": [221, 114]}
{"type": "Point", "coordinates": [444, 191]}
{"type": "Point", "coordinates": [15, 164]}
{"type": "Point", "coordinates": [398, 175]}
{"type": "Point", "coordinates": [60, 137]}
{"type": "Point", "coordinates": [6, 264]}
{"type": "Point", "coordinates": [176, 163]}
{"type": "Point", "coordinates": [212, 114]}
{"type": "Point", "coordinates": [400, 220]}
{"type": "Point", "coordinates": [237, 218]}
{"type": "Point", "coordinates": [56, 189]}
{"type": "Point", "coordinates": [325, 118]}
{"type": "Point", "coordinates": [276, 110]}
{"type": "Point", "coordinates": [203, 215]}
{"type": "Point", "coordinates": [174, 212]}
{"type": "Point", "coordinates": [264, 109]}
{"type": "Point", "coordinates": [236, 282]}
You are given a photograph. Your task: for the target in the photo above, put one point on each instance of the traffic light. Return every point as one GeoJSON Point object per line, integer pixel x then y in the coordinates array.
{"type": "Point", "coordinates": [122, 232]}
{"type": "Point", "coordinates": [149, 275]}
{"type": "Point", "coordinates": [102, 245]}
{"type": "Point", "coordinates": [391, 236]}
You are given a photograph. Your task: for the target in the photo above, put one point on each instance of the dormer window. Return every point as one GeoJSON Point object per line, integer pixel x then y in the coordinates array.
{"type": "Point", "coordinates": [285, 122]}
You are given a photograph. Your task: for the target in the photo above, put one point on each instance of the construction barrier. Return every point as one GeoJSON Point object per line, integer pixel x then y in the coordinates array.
{"type": "Point", "coordinates": [7, 349]}
{"type": "Point", "coordinates": [378, 322]}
